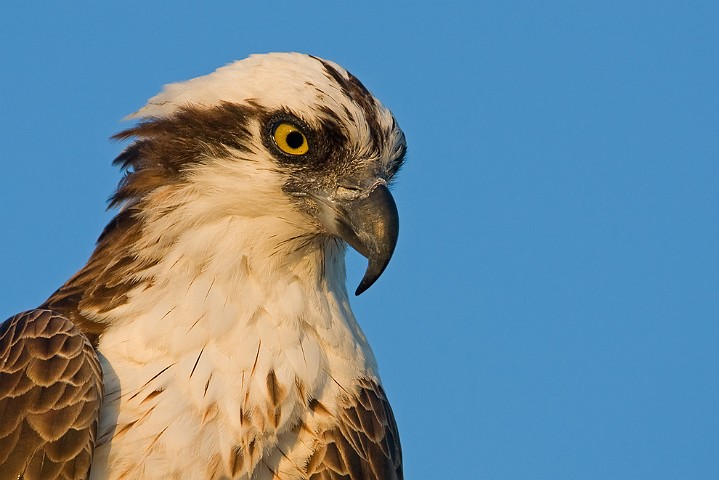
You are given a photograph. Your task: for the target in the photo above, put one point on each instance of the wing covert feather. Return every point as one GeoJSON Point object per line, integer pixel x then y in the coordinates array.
{"type": "Point", "coordinates": [364, 445]}
{"type": "Point", "coordinates": [50, 396]}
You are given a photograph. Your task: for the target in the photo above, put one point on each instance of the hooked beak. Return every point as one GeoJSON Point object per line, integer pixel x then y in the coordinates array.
{"type": "Point", "coordinates": [369, 222]}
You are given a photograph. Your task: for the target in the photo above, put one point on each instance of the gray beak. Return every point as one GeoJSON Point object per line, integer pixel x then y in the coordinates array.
{"type": "Point", "coordinates": [369, 222]}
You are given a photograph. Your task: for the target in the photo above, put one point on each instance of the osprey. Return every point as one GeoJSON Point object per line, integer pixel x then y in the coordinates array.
{"type": "Point", "coordinates": [210, 334]}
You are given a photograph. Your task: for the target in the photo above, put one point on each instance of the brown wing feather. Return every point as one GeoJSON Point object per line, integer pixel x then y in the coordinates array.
{"type": "Point", "coordinates": [365, 443]}
{"type": "Point", "coordinates": [50, 396]}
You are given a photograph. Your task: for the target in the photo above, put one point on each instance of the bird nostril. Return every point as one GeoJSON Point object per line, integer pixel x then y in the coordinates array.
{"type": "Point", "coordinates": [347, 192]}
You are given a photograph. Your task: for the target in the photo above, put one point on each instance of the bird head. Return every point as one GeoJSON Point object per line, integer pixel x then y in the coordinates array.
{"type": "Point", "coordinates": [284, 136]}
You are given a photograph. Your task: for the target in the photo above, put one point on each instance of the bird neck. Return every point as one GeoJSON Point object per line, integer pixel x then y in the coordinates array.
{"type": "Point", "coordinates": [175, 260]}
{"type": "Point", "coordinates": [240, 260]}
{"type": "Point", "coordinates": [228, 277]}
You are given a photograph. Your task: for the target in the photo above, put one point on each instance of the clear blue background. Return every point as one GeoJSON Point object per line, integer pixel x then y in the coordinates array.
{"type": "Point", "coordinates": [552, 310]}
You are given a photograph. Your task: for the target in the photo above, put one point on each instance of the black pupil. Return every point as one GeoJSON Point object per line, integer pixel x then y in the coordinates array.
{"type": "Point", "coordinates": [295, 140]}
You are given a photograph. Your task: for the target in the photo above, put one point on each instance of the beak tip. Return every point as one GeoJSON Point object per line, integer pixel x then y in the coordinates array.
{"type": "Point", "coordinates": [375, 268]}
{"type": "Point", "coordinates": [363, 286]}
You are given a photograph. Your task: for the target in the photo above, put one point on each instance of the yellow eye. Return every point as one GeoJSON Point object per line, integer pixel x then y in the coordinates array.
{"type": "Point", "coordinates": [290, 139]}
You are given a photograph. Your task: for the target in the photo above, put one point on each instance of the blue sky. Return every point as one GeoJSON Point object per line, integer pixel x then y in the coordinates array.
{"type": "Point", "coordinates": [552, 309]}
